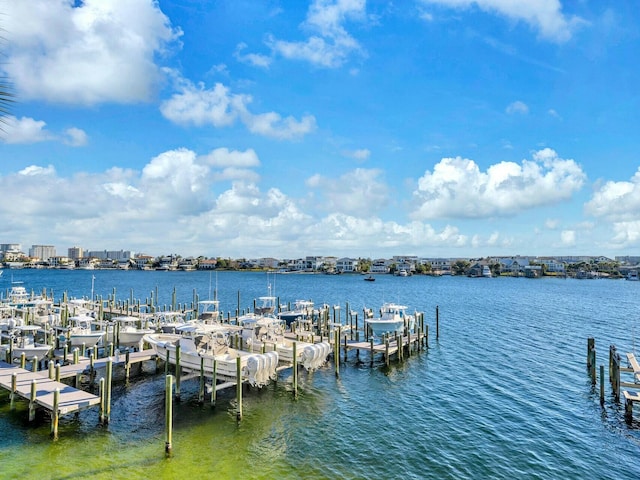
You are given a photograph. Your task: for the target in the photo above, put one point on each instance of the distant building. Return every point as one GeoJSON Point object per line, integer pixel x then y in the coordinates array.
{"type": "Point", "coordinates": [43, 252]}
{"type": "Point", "coordinates": [111, 254]}
{"type": "Point", "coordinates": [75, 253]}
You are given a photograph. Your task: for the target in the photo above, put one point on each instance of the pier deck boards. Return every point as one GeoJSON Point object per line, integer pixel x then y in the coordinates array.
{"type": "Point", "coordinates": [71, 399]}
{"type": "Point", "coordinates": [83, 365]}
{"type": "Point", "coordinates": [634, 366]}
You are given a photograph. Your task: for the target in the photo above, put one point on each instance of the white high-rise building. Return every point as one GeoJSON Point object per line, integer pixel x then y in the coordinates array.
{"type": "Point", "coordinates": [43, 252]}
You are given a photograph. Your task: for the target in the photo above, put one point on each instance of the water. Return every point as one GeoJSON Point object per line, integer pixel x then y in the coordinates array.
{"type": "Point", "coordinates": [504, 393]}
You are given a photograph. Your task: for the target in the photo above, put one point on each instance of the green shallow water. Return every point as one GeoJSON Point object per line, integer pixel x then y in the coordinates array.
{"type": "Point", "coordinates": [504, 392]}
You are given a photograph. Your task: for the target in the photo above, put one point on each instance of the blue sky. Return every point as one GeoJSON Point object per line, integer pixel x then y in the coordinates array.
{"type": "Point", "coordinates": [248, 128]}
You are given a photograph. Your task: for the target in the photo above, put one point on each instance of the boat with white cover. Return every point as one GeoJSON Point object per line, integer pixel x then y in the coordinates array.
{"type": "Point", "coordinates": [22, 340]}
{"type": "Point", "coordinates": [256, 368]}
{"type": "Point", "coordinates": [393, 319]}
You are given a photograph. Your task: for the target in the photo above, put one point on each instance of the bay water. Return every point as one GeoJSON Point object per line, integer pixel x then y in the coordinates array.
{"type": "Point", "coordinates": [503, 392]}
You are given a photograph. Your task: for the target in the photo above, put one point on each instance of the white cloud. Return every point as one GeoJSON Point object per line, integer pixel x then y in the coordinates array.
{"type": "Point", "coordinates": [223, 157]}
{"type": "Point", "coordinates": [361, 154]}
{"type": "Point", "coordinates": [457, 188]}
{"type": "Point", "coordinates": [568, 238]}
{"type": "Point", "coordinates": [75, 137]}
{"type": "Point", "coordinates": [24, 130]}
{"type": "Point", "coordinates": [219, 107]}
{"type": "Point", "coordinates": [357, 192]}
{"type": "Point", "coordinates": [254, 59]}
{"type": "Point", "coordinates": [616, 201]}
{"type": "Point", "coordinates": [331, 45]}
{"type": "Point", "coordinates": [544, 15]}
{"type": "Point", "coordinates": [517, 107]}
{"type": "Point", "coordinates": [85, 52]}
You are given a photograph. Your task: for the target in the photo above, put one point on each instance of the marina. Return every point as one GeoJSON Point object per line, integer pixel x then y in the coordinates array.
{"type": "Point", "coordinates": [511, 359]}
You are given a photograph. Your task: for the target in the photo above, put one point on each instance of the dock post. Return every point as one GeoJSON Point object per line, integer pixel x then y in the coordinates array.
{"type": "Point", "coordinates": [166, 363]}
{"type": "Point", "coordinates": [127, 366]}
{"type": "Point", "coordinates": [92, 370]}
{"type": "Point", "coordinates": [57, 378]}
{"type": "Point", "coordinates": [168, 414]}
{"type": "Point", "coordinates": [32, 401]}
{"type": "Point", "coordinates": [612, 351]}
{"type": "Point", "coordinates": [628, 410]}
{"type": "Point", "coordinates": [239, 388]}
{"type": "Point", "coordinates": [101, 406]}
{"type": "Point", "coordinates": [201, 389]}
{"type": "Point", "coordinates": [75, 356]}
{"type": "Point", "coordinates": [51, 373]}
{"type": "Point", "coordinates": [346, 350]}
{"type": "Point", "coordinates": [107, 399]}
{"type": "Point", "coordinates": [178, 371]}
{"type": "Point", "coordinates": [295, 369]}
{"type": "Point", "coordinates": [437, 322]}
{"type": "Point", "coordinates": [14, 390]}
{"type": "Point", "coordinates": [399, 346]}
{"type": "Point", "coordinates": [336, 350]}
{"type": "Point", "coordinates": [615, 378]}
{"type": "Point", "coordinates": [23, 360]}
{"type": "Point", "coordinates": [65, 353]}
{"type": "Point", "coordinates": [601, 384]}
{"type": "Point", "coordinates": [386, 351]}
{"type": "Point", "coordinates": [591, 344]}
{"type": "Point", "coordinates": [371, 347]}
{"type": "Point", "coordinates": [111, 347]}
{"type": "Point", "coordinates": [426, 336]}
{"type": "Point", "coordinates": [34, 364]}
{"type": "Point", "coordinates": [213, 383]}
{"type": "Point", "coordinates": [55, 414]}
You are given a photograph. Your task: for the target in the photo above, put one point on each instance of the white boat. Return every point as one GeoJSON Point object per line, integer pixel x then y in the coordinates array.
{"type": "Point", "coordinates": [486, 271]}
{"type": "Point", "coordinates": [81, 332]}
{"type": "Point", "coordinates": [167, 322]}
{"type": "Point", "coordinates": [633, 275]}
{"type": "Point", "coordinates": [209, 311]}
{"type": "Point", "coordinates": [266, 333]}
{"type": "Point", "coordinates": [265, 305]}
{"type": "Point", "coordinates": [302, 310]}
{"type": "Point", "coordinates": [402, 273]}
{"type": "Point", "coordinates": [22, 340]}
{"type": "Point", "coordinates": [128, 331]}
{"type": "Point", "coordinates": [393, 319]}
{"type": "Point", "coordinates": [204, 350]}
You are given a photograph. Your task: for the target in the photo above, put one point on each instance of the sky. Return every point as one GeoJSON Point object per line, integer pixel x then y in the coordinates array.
{"type": "Point", "coordinates": [267, 128]}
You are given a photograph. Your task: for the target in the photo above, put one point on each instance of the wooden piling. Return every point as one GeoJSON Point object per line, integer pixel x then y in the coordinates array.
{"type": "Point", "coordinates": [437, 322]}
{"type": "Point", "coordinates": [102, 397]}
{"type": "Point", "coordinates": [178, 371]}
{"type": "Point", "coordinates": [239, 388]}
{"type": "Point", "coordinates": [55, 414]}
{"type": "Point", "coordinates": [295, 369]}
{"type": "Point", "coordinates": [590, 346]}
{"type": "Point", "coordinates": [214, 382]}
{"type": "Point", "coordinates": [168, 414]}
{"type": "Point", "coordinates": [601, 384]}
{"type": "Point", "coordinates": [201, 389]}
{"type": "Point", "coordinates": [14, 389]}
{"type": "Point", "coordinates": [32, 401]}
{"type": "Point", "coordinates": [107, 401]}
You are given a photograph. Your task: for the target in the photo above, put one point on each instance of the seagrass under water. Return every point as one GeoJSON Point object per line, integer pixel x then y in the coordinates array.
{"type": "Point", "coordinates": [504, 392]}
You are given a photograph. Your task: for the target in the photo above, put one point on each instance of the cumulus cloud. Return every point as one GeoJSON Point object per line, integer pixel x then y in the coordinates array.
{"type": "Point", "coordinates": [616, 201]}
{"type": "Point", "coordinates": [517, 107]}
{"type": "Point", "coordinates": [457, 188]}
{"type": "Point", "coordinates": [544, 15]}
{"type": "Point", "coordinates": [254, 59]}
{"type": "Point", "coordinates": [330, 45]}
{"type": "Point", "coordinates": [85, 52]}
{"type": "Point", "coordinates": [218, 107]}
{"type": "Point", "coordinates": [357, 192]}
{"type": "Point", "coordinates": [75, 137]}
{"type": "Point", "coordinates": [24, 130]}
{"type": "Point", "coordinates": [568, 238]}
{"type": "Point", "coordinates": [361, 154]}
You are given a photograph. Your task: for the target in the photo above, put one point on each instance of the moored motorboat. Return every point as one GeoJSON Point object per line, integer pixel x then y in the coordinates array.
{"type": "Point", "coordinates": [393, 319]}
{"type": "Point", "coordinates": [23, 340]}
{"type": "Point", "coordinates": [211, 352]}
{"type": "Point", "coordinates": [302, 310]}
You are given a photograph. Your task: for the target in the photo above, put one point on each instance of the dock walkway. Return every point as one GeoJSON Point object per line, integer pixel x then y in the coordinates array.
{"type": "Point", "coordinates": [70, 400]}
